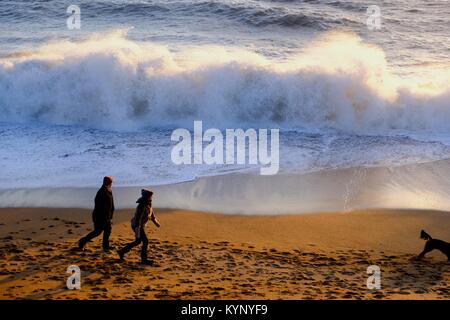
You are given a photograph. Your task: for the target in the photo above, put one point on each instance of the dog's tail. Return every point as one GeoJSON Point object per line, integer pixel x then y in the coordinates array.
{"type": "Point", "coordinates": [424, 235]}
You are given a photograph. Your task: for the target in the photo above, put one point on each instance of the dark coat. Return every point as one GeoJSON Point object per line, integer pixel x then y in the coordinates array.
{"type": "Point", "coordinates": [143, 211]}
{"type": "Point", "coordinates": [104, 206]}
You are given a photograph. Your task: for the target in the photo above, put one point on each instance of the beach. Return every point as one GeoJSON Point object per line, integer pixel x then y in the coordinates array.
{"type": "Point", "coordinates": [295, 149]}
{"type": "Point", "coordinates": [204, 255]}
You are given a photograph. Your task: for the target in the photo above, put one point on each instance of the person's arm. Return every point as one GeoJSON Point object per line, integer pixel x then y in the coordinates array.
{"type": "Point", "coordinates": [143, 213]}
{"type": "Point", "coordinates": [112, 209]}
{"type": "Point", "coordinates": [153, 218]}
{"type": "Point", "coordinates": [108, 205]}
{"type": "Point", "coordinates": [137, 221]}
{"type": "Point", "coordinates": [100, 204]}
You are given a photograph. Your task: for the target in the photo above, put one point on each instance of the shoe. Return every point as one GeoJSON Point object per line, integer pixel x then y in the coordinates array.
{"type": "Point", "coordinates": [147, 262]}
{"type": "Point", "coordinates": [121, 254]}
{"type": "Point", "coordinates": [107, 249]}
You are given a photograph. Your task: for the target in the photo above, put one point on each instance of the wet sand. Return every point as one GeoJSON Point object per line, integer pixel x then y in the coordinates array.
{"type": "Point", "coordinates": [213, 256]}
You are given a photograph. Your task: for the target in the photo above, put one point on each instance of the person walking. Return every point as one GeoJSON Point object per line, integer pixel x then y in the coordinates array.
{"type": "Point", "coordinates": [144, 212]}
{"type": "Point", "coordinates": [102, 215]}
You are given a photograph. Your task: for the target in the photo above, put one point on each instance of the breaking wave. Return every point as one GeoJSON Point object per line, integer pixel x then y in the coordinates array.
{"type": "Point", "coordinates": [112, 82]}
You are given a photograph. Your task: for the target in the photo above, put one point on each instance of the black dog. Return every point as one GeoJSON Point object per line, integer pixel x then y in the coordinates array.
{"type": "Point", "coordinates": [432, 244]}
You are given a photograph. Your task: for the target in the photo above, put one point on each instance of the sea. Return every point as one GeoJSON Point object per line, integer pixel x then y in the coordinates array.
{"type": "Point", "coordinates": [359, 91]}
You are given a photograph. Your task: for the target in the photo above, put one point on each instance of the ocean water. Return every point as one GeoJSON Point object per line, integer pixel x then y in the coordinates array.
{"type": "Point", "coordinates": [76, 105]}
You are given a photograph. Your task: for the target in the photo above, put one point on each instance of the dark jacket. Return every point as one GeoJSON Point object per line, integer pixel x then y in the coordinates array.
{"type": "Point", "coordinates": [104, 206]}
{"type": "Point", "coordinates": [143, 212]}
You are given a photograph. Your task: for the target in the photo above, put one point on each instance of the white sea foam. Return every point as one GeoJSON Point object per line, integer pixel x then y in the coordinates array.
{"type": "Point", "coordinates": [348, 124]}
{"type": "Point", "coordinates": [114, 83]}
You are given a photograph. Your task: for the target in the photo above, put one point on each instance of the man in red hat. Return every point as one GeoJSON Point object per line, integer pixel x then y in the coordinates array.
{"type": "Point", "coordinates": [102, 215]}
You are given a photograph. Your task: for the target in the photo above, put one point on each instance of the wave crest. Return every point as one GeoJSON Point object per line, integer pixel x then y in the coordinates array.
{"type": "Point", "coordinates": [115, 83]}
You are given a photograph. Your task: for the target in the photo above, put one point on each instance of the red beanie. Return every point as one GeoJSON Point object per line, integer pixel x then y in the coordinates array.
{"type": "Point", "coordinates": [107, 180]}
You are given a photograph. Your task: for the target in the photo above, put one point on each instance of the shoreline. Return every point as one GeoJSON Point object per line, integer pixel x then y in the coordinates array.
{"type": "Point", "coordinates": [413, 186]}
{"type": "Point", "coordinates": [221, 256]}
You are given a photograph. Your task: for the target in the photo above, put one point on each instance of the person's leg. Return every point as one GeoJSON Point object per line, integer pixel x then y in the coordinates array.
{"type": "Point", "coordinates": [106, 234]}
{"type": "Point", "coordinates": [144, 245]}
{"type": "Point", "coordinates": [128, 247]}
{"type": "Point", "coordinates": [95, 233]}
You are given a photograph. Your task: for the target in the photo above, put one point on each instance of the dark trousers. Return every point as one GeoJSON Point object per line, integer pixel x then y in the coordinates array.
{"type": "Point", "coordinates": [104, 227]}
{"type": "Point", "coordinates": [142, 238]}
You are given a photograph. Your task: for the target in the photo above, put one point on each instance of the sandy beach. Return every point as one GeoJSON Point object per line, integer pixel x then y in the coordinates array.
{"type": "Point", "coordinates": [213, 256]}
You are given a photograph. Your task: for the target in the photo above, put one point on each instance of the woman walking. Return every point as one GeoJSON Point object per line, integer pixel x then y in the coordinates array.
{"type": "Point", "coordinates": [143, 212]}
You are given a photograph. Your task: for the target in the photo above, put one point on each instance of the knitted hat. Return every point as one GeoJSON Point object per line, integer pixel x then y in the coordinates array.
{"type": "Point", "coordinates": [146, 193]}
{"type": "Point", "coordinates": [107, 180]}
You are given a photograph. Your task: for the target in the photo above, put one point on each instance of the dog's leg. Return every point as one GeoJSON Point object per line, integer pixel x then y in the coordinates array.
{"type": "Point", "coordinates": [422, 254]}
{"type": "Point", "coordinates": [428, 248]}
